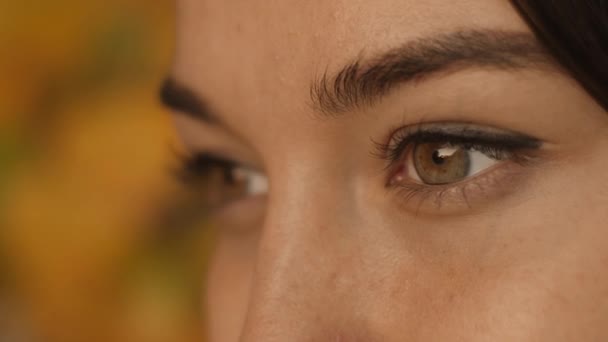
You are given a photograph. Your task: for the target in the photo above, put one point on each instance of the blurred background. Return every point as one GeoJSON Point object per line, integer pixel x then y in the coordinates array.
{"type": "Point", "coordinates": [98, 242]}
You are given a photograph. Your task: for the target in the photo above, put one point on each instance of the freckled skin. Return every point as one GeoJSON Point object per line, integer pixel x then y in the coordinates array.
{"type": "Point", "coordinates": [331, 255]}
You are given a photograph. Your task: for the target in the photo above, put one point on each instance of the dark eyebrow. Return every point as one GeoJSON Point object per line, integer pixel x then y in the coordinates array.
{"type": "Point", "coordinates": [363, 83]}
{"type": "Point", "coordinates": [184, 100]}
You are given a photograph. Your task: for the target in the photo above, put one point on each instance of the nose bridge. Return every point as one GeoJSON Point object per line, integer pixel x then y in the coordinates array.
{"type": "Point", "coordinates": [300, 279]}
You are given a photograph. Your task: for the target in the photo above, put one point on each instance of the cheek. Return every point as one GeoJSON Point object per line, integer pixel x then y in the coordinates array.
{"type": "Point", "coordinates": [228, 286]}
{"type": "Point", "coordinates": [561, 296]}
{"type": "Point", "coordinates": [546, 282]}
{"type": "Point", "coordinates": [564, 299]}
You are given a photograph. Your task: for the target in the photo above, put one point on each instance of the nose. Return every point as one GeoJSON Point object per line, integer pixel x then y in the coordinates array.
{"type": "Point", "coordinates": [307, 280]}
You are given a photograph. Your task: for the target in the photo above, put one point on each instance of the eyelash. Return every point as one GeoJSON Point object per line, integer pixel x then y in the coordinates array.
{"type": "Point", "coordinates": [195, 167]}
{"type": "Point", "coordinates": [497, 144]}
{"type": "Point", "coordinates": [492, 144]}
{"type": "Point", "coordinates": [501, 146]}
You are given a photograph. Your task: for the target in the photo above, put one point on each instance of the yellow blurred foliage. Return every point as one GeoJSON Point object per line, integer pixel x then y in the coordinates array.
{"type": "Point", "coordinates": [85, 155]}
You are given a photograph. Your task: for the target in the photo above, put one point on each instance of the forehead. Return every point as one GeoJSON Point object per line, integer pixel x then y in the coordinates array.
{"type": "Point", "coordinates": [266, 53]}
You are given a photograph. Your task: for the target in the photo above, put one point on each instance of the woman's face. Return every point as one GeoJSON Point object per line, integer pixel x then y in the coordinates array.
{"type": "Point", "coordinates": [391, 170]}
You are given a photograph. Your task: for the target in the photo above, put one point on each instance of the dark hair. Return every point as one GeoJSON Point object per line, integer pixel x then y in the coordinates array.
{"type": "Point", "coordinates": [576, 32]}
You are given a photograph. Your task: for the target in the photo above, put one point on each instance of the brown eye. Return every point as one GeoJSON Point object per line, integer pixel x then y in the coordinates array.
{"type": "Point", "coordinates": [231, 183]}
{"type": "Point", "coordinates": [444, 163]}
{"type": "Point", "coordinates": [222, 182]}
{"type": "Point", "coordinates": [441, 164]}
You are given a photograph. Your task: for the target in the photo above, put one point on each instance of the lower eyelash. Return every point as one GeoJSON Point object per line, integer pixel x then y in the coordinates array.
{"type": "Point", "coordinates": [465, 194]}
{"type": "Point", "coordinates": [423, 193]}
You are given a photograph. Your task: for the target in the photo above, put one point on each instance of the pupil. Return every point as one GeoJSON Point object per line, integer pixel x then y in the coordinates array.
{"type": "Point", "coordinates": [437, 159]}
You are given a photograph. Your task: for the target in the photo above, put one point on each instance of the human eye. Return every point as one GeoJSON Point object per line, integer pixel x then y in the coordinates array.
{"type": "Point", "coordinates": [222, 181]}
{"type": "Point", "coordinates": [454, 166]}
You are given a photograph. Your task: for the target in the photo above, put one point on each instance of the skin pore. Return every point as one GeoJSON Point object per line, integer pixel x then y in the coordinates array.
{"type": "Point", "coordinates": [391, 170]}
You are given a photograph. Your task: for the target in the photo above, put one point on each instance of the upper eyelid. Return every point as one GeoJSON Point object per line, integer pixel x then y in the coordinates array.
{"type": "Point", "coordinates": [456, 132]}
{"type": "Point", "coordinates": [219, 159]}
{"type": "Point", "coordinates": [193, 166]}
{"type": "Point", "coordinates": [464, 129]}
{"type": "Point", "coordinates": [505, 141]}
{"type": "Point", "coordinates": [206, 161]}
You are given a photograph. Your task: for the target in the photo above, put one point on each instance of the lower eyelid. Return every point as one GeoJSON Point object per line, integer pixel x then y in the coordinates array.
{"type": "Point", "coordinates": [474, 193]}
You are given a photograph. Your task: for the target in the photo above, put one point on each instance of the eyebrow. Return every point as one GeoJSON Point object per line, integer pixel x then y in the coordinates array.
{"type": "Point", "coordinates": [184, 100]}
{"type": "Point", "coordinates": [364, 83]}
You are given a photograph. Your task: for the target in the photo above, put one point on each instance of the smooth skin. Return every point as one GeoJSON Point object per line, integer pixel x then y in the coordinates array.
{"type": "Point", "coordinates": [331, 254]}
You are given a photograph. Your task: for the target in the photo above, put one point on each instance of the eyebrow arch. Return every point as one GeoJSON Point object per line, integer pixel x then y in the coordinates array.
{"type": "Point", "coordinates": [364, 83]}
{"type": "Point", "coordinates": [184, 100]}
